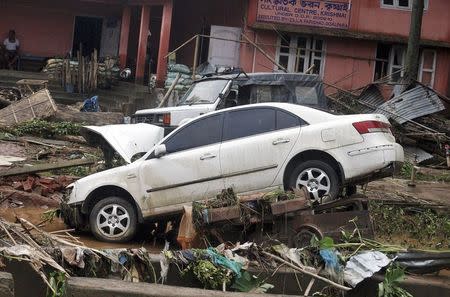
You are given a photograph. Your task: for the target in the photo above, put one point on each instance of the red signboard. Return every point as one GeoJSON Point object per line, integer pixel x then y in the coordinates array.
{"type": "Point", "coordinates": [318, 13]}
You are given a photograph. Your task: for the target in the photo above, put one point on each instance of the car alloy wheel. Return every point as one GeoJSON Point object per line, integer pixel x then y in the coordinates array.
{"type": "Point", "coordinates": [113, 220]}
{"type": "Point", "coordinates": [318, 177]}
{"type": "Point", "coordinates": [316, 182]}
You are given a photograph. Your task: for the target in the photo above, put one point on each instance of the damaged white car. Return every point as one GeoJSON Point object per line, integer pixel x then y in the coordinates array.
{"type": "Point", "coordinates": [249, 148]}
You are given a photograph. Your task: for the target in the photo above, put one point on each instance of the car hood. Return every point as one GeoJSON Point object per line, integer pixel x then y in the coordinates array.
{"type": "Point", "coordinates": [194, 107]}
{"type": "Point", "coordinates": [126, 139]}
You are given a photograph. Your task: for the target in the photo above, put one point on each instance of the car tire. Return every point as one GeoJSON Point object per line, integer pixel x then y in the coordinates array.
{"type": "Point", "coordinates": [113, 219]}
{"type": "Point", "coordinates": [351, 190]}
{"type": "Point", "coordinates": [319, 178]}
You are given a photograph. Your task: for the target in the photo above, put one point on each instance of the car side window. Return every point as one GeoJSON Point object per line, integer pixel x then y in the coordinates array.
{"type": "Point", "coordinates": [203, 132]}
{"type": "Point", "coordinates": [243, 123]}
{"type": "Point", "coordinates": [286, 120]}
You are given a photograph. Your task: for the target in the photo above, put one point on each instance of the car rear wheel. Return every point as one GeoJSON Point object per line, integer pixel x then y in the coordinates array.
{"type": "Point", "coordinates": [319, 178]}
{"type": "Point", "coordinates": [113, 219]}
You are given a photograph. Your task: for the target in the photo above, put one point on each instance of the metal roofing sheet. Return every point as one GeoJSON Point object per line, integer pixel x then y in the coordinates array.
{"type": "Point", "coordinates": [411, 104]}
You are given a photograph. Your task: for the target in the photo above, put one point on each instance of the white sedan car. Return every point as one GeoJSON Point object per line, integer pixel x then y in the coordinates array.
{"type": "Point", "coordinates": [249, 148]}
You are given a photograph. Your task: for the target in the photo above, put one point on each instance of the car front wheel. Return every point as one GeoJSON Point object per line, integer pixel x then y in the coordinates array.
{"type": "Point", "coordinates": [319, 178]}
{"type": "Point", "coordinates": [113, 219]}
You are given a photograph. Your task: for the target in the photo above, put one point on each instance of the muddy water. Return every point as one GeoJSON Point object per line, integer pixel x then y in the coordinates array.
{"type": "Point", "coordinates": [34, 215]}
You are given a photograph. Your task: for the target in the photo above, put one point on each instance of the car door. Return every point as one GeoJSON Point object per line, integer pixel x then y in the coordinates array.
{"type": "Point", "coordinates": [256, 142]}
{"type": "Point", "coordinates": [191, 168]}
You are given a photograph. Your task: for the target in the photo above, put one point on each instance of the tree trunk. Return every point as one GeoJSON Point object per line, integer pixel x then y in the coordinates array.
{"type": "Point", "coordinates": [412, 53]}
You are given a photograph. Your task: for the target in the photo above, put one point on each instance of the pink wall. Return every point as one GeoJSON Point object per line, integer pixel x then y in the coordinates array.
{"type": "Point", "coordinates": [349, 63]}
{"type": "Point", "coordinates": [265, 39]}
{"type": "Point", "coordinates": [46, 29]}
{"type": "Point", "coordinates": [368, 16]}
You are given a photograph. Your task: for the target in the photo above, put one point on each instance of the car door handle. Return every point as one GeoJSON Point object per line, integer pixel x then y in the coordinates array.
{"type": "Point", "coordinates": [280, 141]}
{"type": "Point", "coordinates": [207, 156]}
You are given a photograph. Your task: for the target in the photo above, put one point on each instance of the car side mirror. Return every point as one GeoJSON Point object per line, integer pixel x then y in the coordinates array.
{"type": "Point", "coordinates": [160, 150]}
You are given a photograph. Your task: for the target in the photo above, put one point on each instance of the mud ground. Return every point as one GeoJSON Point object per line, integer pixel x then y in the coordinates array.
{"type": "Point", "coordinates": [388, 188]}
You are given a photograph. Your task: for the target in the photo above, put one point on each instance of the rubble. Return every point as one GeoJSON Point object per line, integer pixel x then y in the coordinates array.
{"type": "Point", "coordinates": [38, 105]}
{"type": "Point", "coordinates": [414, 110]}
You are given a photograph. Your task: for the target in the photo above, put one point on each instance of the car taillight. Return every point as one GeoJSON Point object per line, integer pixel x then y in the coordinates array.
{"type": "Point", "coordinates": [166, 119]}
{"type": "Point", "coordinates": [372, 126]}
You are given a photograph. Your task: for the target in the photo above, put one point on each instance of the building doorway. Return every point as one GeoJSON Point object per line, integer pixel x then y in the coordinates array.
{"type": "Point", "coordinates": [88, 32]}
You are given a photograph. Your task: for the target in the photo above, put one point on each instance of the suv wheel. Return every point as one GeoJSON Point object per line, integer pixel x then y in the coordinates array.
{"type": "Point", "coordinates": [113, 219]}
{"type": "Point", "coordinates": [319, 178]}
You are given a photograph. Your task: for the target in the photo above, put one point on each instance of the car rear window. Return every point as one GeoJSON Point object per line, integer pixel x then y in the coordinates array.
{"type": "Point", "coordinates": [286, 120]}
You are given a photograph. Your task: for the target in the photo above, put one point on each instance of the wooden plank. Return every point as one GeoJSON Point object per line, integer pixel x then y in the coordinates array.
{"type": "Point", "coordinates": [46, 167]}
{"type": "Point", "coordinates": [286, 206]}
{"type": "Point", "coordinates": [66, 114]}
{"type": "Point", "coordinates": [223, 214]}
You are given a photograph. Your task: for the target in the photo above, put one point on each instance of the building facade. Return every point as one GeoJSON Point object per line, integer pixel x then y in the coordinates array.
{"type": "Point", "coordinates": [350, 43]}
{"type": "Point", "coordinates": [138, 32]}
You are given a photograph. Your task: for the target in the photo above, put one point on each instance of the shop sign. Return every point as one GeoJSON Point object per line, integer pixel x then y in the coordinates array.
{"type": "Point", "coordinates": [319, 13]}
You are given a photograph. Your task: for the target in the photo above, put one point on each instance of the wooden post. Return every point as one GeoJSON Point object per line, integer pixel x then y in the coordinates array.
{"type": "Point", "coordinates": [95, 71]}
{"type": "Point", "coordinates": [79, 55]}
{"type": "Point", "coordinates": [194, 65]}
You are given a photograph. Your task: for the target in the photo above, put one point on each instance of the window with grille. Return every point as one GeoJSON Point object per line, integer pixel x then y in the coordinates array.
{"type": "Point", "coordinates": [390, 60]}
{"type": "Point", "coordinates": [400, 4]}
{"type": "Point", "coordinates": [300, 53]}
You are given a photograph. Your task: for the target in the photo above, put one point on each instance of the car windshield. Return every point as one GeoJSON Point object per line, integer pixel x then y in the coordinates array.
{"type": "Point", "coordinates": [204, 92]}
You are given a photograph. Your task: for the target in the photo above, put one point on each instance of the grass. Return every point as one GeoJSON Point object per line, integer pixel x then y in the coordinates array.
{"type": "Point", "coordinates": [410, 226]}
{"type": "Point", "coordinates": [436, 176]}
{"type": "Point", "coordinates": [42, 128]}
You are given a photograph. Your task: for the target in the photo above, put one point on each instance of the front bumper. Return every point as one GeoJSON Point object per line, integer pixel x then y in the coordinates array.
{"type": "Point", "coordinates": [72, 216]}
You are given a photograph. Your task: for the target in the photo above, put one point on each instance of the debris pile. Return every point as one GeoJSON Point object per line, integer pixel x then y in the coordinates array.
{"type": "Point", "coordinates": [9, 95]}
{"type": "Point", "coordinates": [341, 266]}
{"type": "Point", "coordinates": [414, 110]}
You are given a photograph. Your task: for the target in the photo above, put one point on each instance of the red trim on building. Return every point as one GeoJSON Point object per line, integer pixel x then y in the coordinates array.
{"type": "Point", "coordinates": [142, 45]}
{"type": "Point", "coordinates": [164, 41]}
{"type": "Point", "coordinates": [124, 35]}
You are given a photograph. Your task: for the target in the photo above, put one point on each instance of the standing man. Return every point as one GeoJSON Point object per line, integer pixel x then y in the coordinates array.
{"type": "Point", "coordinates": [12, 45]}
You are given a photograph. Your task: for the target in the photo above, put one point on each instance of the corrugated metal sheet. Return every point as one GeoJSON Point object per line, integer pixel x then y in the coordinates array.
{"type": "Point", "coordinates": [372, 97]}
{"type": "Point", "coordinates": [414, 103]}
{"type": "Point", "coordinates": [412, 152]}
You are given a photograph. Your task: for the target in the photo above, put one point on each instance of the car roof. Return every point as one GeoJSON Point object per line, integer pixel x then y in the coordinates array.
{"type": "Point", "coordinates": [261, 76]}
{"type": "Point", "coordinates": [310, 115]}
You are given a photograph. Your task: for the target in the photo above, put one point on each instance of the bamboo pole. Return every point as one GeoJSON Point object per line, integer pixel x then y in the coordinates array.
{"type": "Point", "coordinates": [172, 87]}
{"type": "Point", "coordinates": [336, 285]}
{"type": "Point", "coordinates": [194, 65]}
{"type": "Point", "coordinates": [264, 53]}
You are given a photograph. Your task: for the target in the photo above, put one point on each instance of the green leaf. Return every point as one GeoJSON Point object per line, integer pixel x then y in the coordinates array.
{"type": "Point", "coordinates": [326, 243]}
